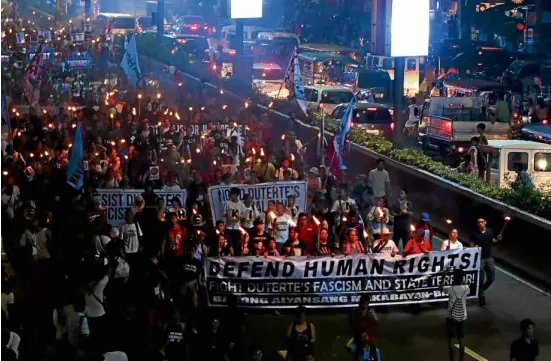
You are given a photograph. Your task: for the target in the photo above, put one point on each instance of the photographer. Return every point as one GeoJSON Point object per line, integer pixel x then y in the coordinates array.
{"type": "Point", "coordinates": [457, 309]}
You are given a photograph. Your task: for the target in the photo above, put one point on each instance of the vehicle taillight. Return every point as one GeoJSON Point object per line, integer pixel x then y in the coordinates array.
{"type": "Point", "coordinates": [392, 126]}
{"type": "Point", "coordinates": [206, 28]}
{"type": "Point", "coordinates": [232, 52]}
{"type": "Point", "coordinates": [193, 27]}
{"type": "Point", "coordinates": [351, 124]}
{"type": "Point", "coordinates": [213, 67]}
{"type": "Point", "coordinates": [545, 122]}
{"type": "Point", "coordinates": [460, 149]}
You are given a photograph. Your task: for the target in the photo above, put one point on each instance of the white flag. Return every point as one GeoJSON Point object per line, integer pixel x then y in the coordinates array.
{"type": "Point", "coordinates": [298, 88]}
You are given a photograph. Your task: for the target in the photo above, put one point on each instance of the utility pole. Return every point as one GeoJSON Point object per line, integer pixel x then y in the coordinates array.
{"type": "Point", "coordinates": [398, 98]}
{"type": "Point", "coordinates": [58, 12]}
{"type": "Point", "coordinates": [160, 20]}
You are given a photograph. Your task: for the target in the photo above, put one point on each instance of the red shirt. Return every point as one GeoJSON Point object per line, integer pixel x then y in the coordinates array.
{"type": "Point", "coordinates": [416, 247]}
{"type": "Point", "coordinates": [175, 243]}
{"type": "Point", "coordinates": [307, 234]}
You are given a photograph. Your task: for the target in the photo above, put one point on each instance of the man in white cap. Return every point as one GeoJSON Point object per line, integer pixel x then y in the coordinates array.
{"type": "Point", "coordinates": [384, 245]}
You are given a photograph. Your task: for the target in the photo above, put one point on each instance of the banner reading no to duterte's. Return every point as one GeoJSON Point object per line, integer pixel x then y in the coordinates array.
{"type": "Point", "coordinates": [285, 282]}
{"type": "Point", "coordinates": [261, 194]}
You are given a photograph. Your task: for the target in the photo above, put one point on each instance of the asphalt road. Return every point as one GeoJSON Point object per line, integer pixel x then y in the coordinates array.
{"type": "Point", "coordinates": [404, 336]}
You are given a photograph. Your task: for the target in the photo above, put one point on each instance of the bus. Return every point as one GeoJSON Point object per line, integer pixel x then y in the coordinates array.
{"type": "Point", "coordinates": [411, 70]}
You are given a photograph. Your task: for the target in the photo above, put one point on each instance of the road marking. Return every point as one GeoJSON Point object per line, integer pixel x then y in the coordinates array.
{"type": "Point", "coordinates": [526, 283]}
{"type": "Point", "coordinates": [473, 354]}
{"type": "Point", "coordinates": [282, 353]}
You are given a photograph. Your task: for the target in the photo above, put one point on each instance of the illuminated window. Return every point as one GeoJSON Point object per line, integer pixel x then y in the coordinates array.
{"type": "Point", "coordinates": [542, 162]}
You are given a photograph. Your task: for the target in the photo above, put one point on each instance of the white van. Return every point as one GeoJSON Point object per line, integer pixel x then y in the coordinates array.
{"type": "Point", "coordinates": [535, 159]}
{"type": "Point", "coordinates": [250, 34]}
{"type": "Point", "coordinates": [326, 97]}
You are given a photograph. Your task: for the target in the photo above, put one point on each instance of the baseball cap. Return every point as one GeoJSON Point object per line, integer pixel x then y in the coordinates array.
{"type": "Point", "coordinates": [425, 217]}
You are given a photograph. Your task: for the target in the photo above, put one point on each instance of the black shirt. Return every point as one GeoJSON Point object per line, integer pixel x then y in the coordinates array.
{"type": "Point", "coordinates": [191, 267]}
{"type": "Point", "coordinates": [484, 241]}
{"type": "Point", "coordinates": [523, 351]}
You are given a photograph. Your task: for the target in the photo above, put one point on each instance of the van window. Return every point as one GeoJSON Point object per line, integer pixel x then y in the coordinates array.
{"type": "Point", "coordinates": [388, 63]}
{"type": "Point", "coordinates": [514, 158]}
{"type": "Point", "coordinates": [336, 96]}
{"type": "Point", "coordinates": [123, 23]}
{"type": "Point", "coordinates": [372, 116]}
{"type": "Point", "coordinates": [542, 162]}
{"type": "Point", "coordinates": [411, 65]}
{"type": "Point", "coordinates": [310, 95]}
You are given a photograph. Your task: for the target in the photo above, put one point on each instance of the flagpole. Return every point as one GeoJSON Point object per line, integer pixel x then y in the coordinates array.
{"type": "Point", "coordinates": [322, 138]}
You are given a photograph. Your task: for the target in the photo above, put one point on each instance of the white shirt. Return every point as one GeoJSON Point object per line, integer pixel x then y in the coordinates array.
{"type": "Point", "coordinates": [248, 215]}
{"type": "Point", "coordinates": [94, 308]}
{"type": "Point", "coordinates": [175, 187]}
{"type": "Point", "coordinates": [343, 206]}
{"type": "Point", "coordinates": [100, 242]}
{"type": "Point", "coordinates": [130, 234]}
{"type": "Point", "coordinates": [9, 202]}
{"type": "Point", "coordinates": [42, 244]}
{"type": "Point", "coordinates": [7, 299]}
{"type": "Point", "coordinates": [232, 211]}
{"type": "Point", "coordinates": [377, 180]}
{"type": "Point", "coordinates": [453, 245]}
{"type": "Point", "coordinates": [389, 249]}
{"type": "Point", "coordinates": [282, 228]}
{"type": "Point", "coordinates": [457, 293]}
{"type": "Point", "coordinates": [13, 343]}
{"type": "Point", "coordinates": [115, 356]}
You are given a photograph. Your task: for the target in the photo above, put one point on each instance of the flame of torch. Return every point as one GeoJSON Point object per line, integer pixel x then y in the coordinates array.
{"type": "Point", "coordinates": [283, 137]}
{"type": "Point", "coordinates": [412, 227]}
{"type": "Point", "coordinates": [272, 215]}
{"type": "Point", "coordinates": [291, 223]}
{"type": "Point", "coordinates": [292, 157]}
{"type": "Point", "coordinates": [242, 230]}
{"type": "Point", "coordinates": [261, 152]}
{"type": "Point", "coordinates": [254, 151]}
{"type": "Point", "coordinates": [316, 221]}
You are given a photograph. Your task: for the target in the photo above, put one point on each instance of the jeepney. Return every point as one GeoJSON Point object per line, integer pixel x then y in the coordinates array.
{"type": "Point", "coordinates": [332, 49]}
{"type": "Point", "coordinates": [451, 122]}
{"type": "Point", "coordinates": [412, 69]}
{"type": "Point", "coordinates": [322, 68]}
{"type": "Point", "coordinates": [533, 157]}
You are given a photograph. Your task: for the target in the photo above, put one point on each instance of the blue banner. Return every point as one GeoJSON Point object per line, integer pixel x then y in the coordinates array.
{"type": "Point", "coordinates": [78, 61]}
{"type": "Point", "coordinates": [48, 54]}
{"type": "Point", "coordinates": [130, 63]}
{"type": "Point", "coordinates": [75, 169]}
{"type": "Point", "coordinates": [339, 140]}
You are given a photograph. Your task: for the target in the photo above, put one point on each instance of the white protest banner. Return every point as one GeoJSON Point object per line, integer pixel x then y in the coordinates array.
{"type": "Point", "coordinates": [117, 201]}
{"type": "Point", "coordinates": [261, 193]}
{"type": "Point", "coordinates": [340, 281]}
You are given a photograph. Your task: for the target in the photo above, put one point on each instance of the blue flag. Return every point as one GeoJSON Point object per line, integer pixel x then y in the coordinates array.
{"type": "Point", "coordinates": [130, 63]}
{"type": "Point", "coordinates": [339, 140]}
{"type": "Point", "coordinates": [75, 169]}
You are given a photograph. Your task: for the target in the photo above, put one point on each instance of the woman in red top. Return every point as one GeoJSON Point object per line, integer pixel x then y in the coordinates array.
{"type": "Point", "coordinates": [417, 245]}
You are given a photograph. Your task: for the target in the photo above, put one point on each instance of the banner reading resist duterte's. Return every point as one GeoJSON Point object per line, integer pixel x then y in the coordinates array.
{"type": "Point", "coordinates": [261, 193]}
{"type": "Point", "coordinates": [117, 201]}
{"type": "Point", "coordinates": [285, 282]}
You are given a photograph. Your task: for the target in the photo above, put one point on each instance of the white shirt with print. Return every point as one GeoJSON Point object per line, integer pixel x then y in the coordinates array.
{"type": "Point", "coordinates": [232, 211]}
{"type": "Point", "coordinates": [130, 234]}
{"type": "Point", "coordinates": [282, 228]}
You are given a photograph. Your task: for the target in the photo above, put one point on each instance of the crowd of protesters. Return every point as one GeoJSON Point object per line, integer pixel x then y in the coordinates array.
{"type": "Point", "coordinates": [76, 287]}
